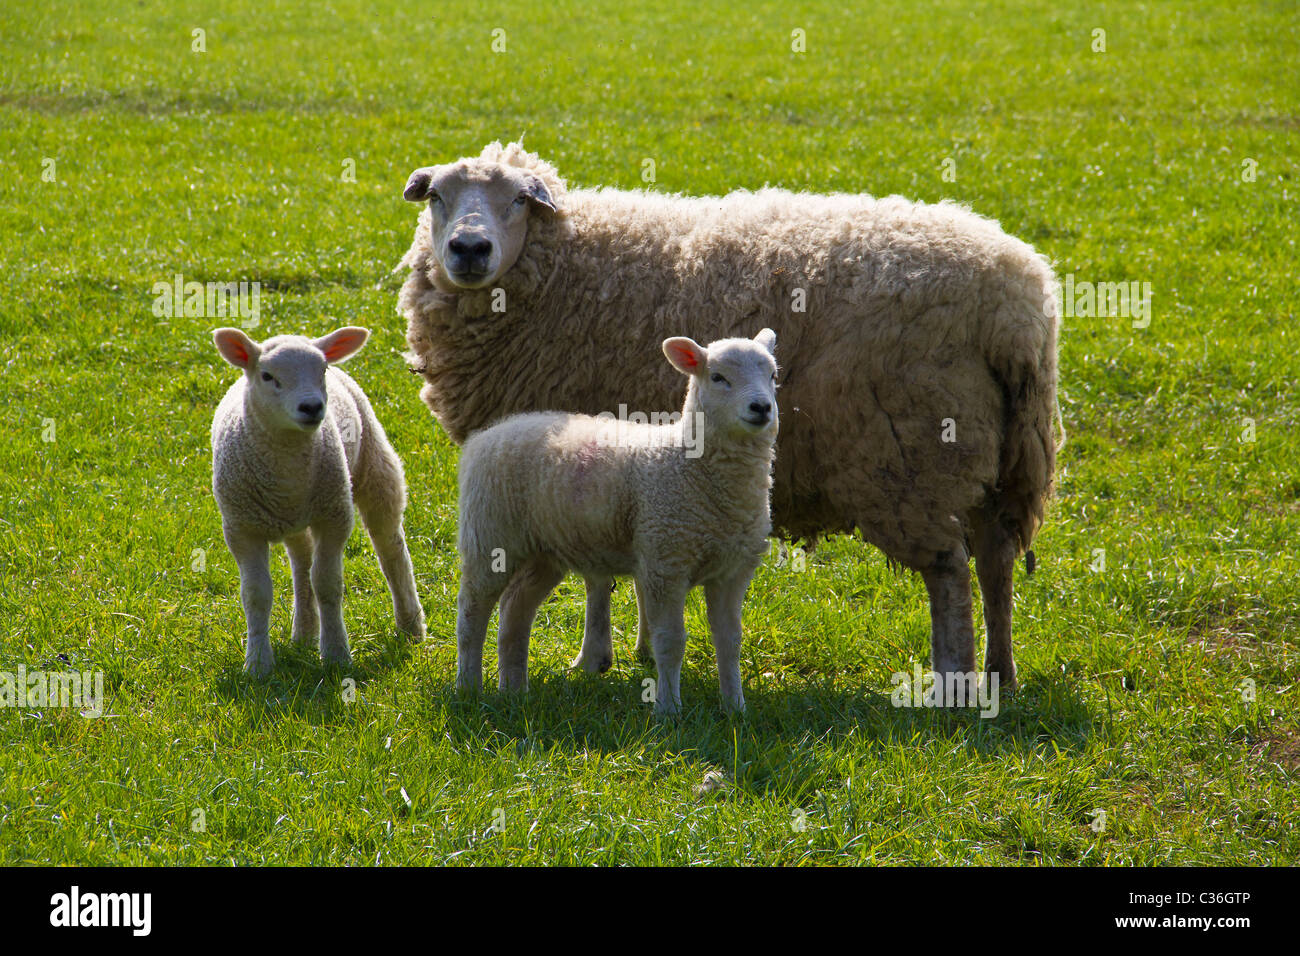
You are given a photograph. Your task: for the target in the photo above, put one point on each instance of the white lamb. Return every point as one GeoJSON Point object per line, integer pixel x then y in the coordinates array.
{"type": "Point", "coordinates": [674, 505]}
{"type": "Point", "coordinates": [295, 444]}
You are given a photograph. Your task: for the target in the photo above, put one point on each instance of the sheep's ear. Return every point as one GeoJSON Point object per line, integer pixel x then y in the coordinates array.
{"type": "Point", "coordinates": [536, 190]}
{"type": "Point", "coordinates": [417, 187]}
{"type": "Point", "coordinates": [686, 355]}
{"type": "Point", "coordinates": [767, 339]}
{"type": "Point", "coordinates": [343, 343]}
{"type": "Point", "coordinates": [236, 347]}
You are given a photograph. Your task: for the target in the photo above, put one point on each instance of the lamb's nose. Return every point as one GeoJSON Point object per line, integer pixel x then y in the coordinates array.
{"type": "Point", "coordinates": [476, 248]}
{"type": "Point", "coordinates": [312, 409]}
{"type": "Point", "coordinates": [761, 408]}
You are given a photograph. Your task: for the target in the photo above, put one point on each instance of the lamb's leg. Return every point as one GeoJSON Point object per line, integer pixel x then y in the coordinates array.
{"type": "Point", "coordinates": [666, 612]}
{"type": "Point", "coordinates": [643, 650]}
{"type": "Point", "coordinates": [386, 534]}
{"type": "Point", "coordinates": [952, 633]}
{"type": "Point", "coordinates": [327, 581]}
{"type": "Point", "coordinates": [306, 619]}
{"type": "Point", "coordinates": [479, 589]}
{"type": "Point", "coordinates": [995, 559]}
{"type": "Point", "coordinates": [524, 594]}
{"type": "Point", "coordinates": [724, 600]}
{"type": "Point", "coordinates": [253, 555]}
{"type": "Point", "coordinates": [597, 652]}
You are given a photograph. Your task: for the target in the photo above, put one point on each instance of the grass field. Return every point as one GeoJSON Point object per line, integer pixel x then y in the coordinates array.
{"type": "Point", "coordinates": [1167, 575]}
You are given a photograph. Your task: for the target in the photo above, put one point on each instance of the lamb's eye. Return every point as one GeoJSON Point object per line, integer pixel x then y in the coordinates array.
{"type": "Point", "coordinates": [719, 379]}
{"type": "Point", "coordinates": [520, 200]}
{"type": "Point", "coordinates": [268, 377]}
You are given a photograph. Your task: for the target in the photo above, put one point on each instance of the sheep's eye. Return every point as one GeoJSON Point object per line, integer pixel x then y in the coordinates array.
{"type": "Point", "coordinates": [434, 198]}
{"type": "Point", "coordinates": [718, 378]}
{"type": "Point", "coordinates": [268, 377]}
{"type": "Point", "coordinates": [520, 200]}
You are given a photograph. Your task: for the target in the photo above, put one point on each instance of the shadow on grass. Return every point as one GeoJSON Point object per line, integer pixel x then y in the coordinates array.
{"type": "Point", "coordinates": [303, 687]}
{"type": "Point", "coordinates": [780, 744]}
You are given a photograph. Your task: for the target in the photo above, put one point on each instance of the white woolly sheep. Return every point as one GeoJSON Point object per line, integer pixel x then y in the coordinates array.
{"type": "Point", "coordinates": [295, 444]}
{"type": "Point", "coordinates": [674, 505]}
{"type": "Point", "coordinates": [918, 346]}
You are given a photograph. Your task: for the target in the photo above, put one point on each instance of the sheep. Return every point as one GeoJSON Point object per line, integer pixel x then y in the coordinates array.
{"type": "Point", "coordinates": [919, 347]}
{"type": "Point", "coordinates": [675, 505]}
{"type": "Point", "coordinates": [295, 444]}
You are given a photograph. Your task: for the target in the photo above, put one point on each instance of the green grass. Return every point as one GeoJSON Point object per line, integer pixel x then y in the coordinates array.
{"type": "Point", "coordinates": [1125, 165]}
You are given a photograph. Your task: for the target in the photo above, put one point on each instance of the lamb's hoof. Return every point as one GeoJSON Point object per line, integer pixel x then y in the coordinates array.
{"type": "Point", "coordinates": [336, 658]}
{"type": "Point", "coordinates": [667, 711]}
{"type": "Point", "coordinates": [260, 667]}
{"type": "Point", "coordinates": [644, 654]}
{"type": "Point", "coordinates": [592, 665]}
{"type": "Point", "coordinates": [311, 640]}
{"type": "Point", "coordinates": [413, 628]}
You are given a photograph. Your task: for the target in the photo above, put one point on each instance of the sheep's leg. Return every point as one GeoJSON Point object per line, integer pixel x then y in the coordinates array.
{"type": "Point", "coordinates": [643, 649]}
{"type": "Point", "coordinates": [389, 540]}
{"type": "Point", "coordinates": [724, 600]}
{"type": "Point", "coordinates": [597, 652]}
{"type": "Point", "coordinates": [253, 555]}
{"type": "Point", "coordinates": [666, 612]}
{"type": "Point", "coordinates": [952, 633]}
{"type": "Point", "coordinates": [995, 559]}
{"type": "Point", "coordinates": [327, 581]}
{"type": "Point", "coordinates": [306, 619]}
{"type": "Point", "coordinates": [524, 594]}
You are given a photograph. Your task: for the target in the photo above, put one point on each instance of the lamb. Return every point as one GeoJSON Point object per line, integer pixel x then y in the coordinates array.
{"type": "Point", "coordinates": [295, 444]}
{"type": "Point", "coordinates": [675, 505]}
{"type": "Point", "coordinates": [919, 347]}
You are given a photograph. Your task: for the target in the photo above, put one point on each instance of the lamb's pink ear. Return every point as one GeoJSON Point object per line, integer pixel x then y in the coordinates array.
{"type": "Point", "coordinates": [342, 344]}
{"type": "Point", "coordinates": [686, 355]}
{"type": "Point", "coordinates": [767, 339]}
{"type": "Point", "coordinates": [236, 347]}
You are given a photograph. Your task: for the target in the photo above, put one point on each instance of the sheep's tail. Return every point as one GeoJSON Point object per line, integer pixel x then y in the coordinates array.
{"type": "Point", "coordinates": [1024, 355]}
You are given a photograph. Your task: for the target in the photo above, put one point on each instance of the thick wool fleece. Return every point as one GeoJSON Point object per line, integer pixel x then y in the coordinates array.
{"type": "Point", "coordinates": [913, 314]}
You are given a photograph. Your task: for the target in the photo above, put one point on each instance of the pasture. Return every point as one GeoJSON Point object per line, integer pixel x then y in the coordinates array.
{"type": "Point", "coordinates": [1158, 720]}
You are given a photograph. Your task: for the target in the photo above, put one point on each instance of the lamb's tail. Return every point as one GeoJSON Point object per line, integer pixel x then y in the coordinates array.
{"type": "Point", "coordinates": [1024, 355]}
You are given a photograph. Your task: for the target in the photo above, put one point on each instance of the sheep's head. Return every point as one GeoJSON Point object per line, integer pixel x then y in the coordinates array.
{"type": "Point", "coordinates": [285, 375]}
{"type": "Point", "coordinates": [478, 215]}
{"type": "Point", "coordinates": [733, 382]}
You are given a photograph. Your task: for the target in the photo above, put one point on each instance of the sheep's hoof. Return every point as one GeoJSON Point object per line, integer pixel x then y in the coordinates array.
{"type": "Point", "coordinates": [644, 654]}
{"type": "Point", "coordinates": [306, 638]}
{"type": "Point", "coordinates": [593, 665]}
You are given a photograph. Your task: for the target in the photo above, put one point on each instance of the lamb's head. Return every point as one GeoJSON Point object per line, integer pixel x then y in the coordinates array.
{"type": "Point", "coordinates": [285, 375]}
{"type": "Point", "coordinates": [733, 382]}
{"type": "Point", "coordinates": [478, 215]}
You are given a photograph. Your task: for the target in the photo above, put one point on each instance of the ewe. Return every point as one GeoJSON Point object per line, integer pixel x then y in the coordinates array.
{"type": "Point", "coordinates": [675, 506]}
{"type": "Point", "coordinates": [918, 344]}
{"type": "Point", "coordinates": [295, 444]}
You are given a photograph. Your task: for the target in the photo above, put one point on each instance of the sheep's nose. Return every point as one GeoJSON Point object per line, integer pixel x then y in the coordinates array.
{"type": "Point", "coordinates": [473, 248]}
{"type": "Point", "coordinates": [761, 408]}
{"type": "Point", "coordinates": [312, 409]}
